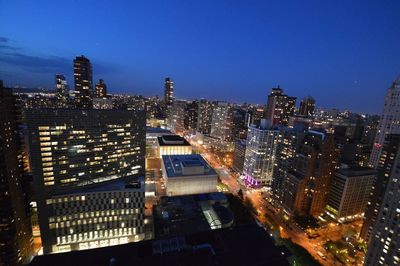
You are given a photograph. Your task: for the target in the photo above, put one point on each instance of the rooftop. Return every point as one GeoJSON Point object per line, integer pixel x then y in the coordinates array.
{"type": "Point", "coordinates": [157, 130]}
{"type": "Point", "coordinates": [179, 215]}
{"type": "Point", "coordinates": [356, 171]}
{"type": "Point", "coordinates": [240, 245]}
{"type": "Point", "coordinates": [186, 165]}
{"type": "Point", "coordinates": [172, 140]}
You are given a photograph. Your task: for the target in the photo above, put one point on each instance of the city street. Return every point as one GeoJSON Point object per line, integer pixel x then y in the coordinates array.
{"type": "Point", "coordinates": [265, 212]}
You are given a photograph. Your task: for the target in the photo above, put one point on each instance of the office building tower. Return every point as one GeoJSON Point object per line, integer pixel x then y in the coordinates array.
{"type": "Point", "coordinates": [260, 154]}
{"type": "Point", "coordinates": [101, 89]}
{"type": "Point", "coordinates": [384, 246]}
{"type": "Point", "coordinates": [239, 155]}
{"type": "Point", "coordinates": [176, 116]}
{"type": "Point", "coordinates": [205, 114]}
{"type": "Point", "coordinates": [306, 182]}
{"type": "Point", "coordinates": [15, 226]}
{"type": "Point", "coordinates": [280, 107]}
{"type": "Point", "coordinates": [62, 90]}
{"type": "Point", "coordinates": [83, 82]}
{"type": "Point", "coordinates": [86, 166]}
{"type": "Point", "coordinates": [255, 114]}
{"type": "Point", "coordinates": [385, 167]}
{"type": "Point", "coordinates": [239, 126]}
{"type": "Point", "coordinates": [349, 193]}
{"type": "Point", "coordinates": [168, 91]}
{"type": "Point", "coordinates": [191, 116]}
{"type": "Point", "coordinates": [221, 123]}
{"type": "Point", "coordinates": [389, 123]}
{"type": "Point", "coordinates": [307, 106]}
{"type": "Point", "coordinates": [288, 143]}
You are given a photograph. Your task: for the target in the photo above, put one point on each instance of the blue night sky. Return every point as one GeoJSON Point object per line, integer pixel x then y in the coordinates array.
{"type": "Point", "coordinates": [343, 53]}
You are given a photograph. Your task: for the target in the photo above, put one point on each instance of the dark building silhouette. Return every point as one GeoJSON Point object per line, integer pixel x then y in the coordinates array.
{"type": "Point", "coordinates": [307, 106]}
{"type": "Point", "coordinates": [62, 90]}
{"type": "Point", "coordinates": [191, 116]}
{"type": "Point", "coordinates": [101, 89]}
{"type": "Point", "coordinates": [169, 91]}
{"type": "Point", "coordinates": [279, 107]}
{"type": "Point", "coordinates": [15, 227]}
{"type": "Point", "coordinates": [239, 155]}
{"type": "Point", "coordinates": [83, 82]}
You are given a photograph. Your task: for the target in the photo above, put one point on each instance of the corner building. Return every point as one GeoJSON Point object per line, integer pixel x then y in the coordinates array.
{"type": "Point", "coordinates": [81, 155]}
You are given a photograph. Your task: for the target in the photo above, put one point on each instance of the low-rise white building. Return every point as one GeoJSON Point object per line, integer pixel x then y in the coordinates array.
{"type": "Point", "coordinates": [188, 174]}
{"type": "Point", "coordinates": [173, 145]}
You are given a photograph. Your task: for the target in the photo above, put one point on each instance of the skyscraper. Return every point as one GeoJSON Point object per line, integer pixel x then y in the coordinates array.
{"type": "Point", "coordinates": [306, 181]}
{"type": "Point", "coordinates": [15, 227]}
{"type": "Point", "coordinates": [169, 91]}
{"type": "Point", "coordinates": [260, 154]}
{"type": "Point", "coordinates": [390, 121]}
{"type": "Point", "coordinates": [279, 107]}
{"type": "Point", "coordinates": [101, 89]}
{"type": "Point", "coordinates": [307, 106]}
{"type": "Point", "coordinates": [384, 245]}
{"type": "Point", "coordinates": [191, 116]}
{"type": "Point", "coordinates": [83, 82]}
{"type": "Point", "coordinates": [221, 123]}
{"type": "Point", "coordinates": [62, 90]}
{"type": "Point", "coordinates": [86, 166]}
{"type": "Point", "coordinates": [204, 116]}
{"type": "Point", "coordinates": [288, 142]}
{"type": "Point", "coordinates": [390, 149]}
{"type": "Point", "coordinates": [176, 116]}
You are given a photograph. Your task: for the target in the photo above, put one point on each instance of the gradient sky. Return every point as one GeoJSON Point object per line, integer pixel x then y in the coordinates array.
{"type": "Point", "coordinates": [343, 53]}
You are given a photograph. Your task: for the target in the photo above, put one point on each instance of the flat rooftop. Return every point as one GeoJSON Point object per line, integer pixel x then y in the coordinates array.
{"type": "Point", "coordinates": [179, 215]}
{"type": "Point", "coordinates": [157, 130]}
{"type": "Point", "coordinates": [172, 140]}
{"type": "Point", "coordinates": [356, 171]}
{"type": "Point", "coordinates": [186, 165]}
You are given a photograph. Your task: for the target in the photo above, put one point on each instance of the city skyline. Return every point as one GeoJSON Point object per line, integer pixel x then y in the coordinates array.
{"type": "Point", "coordinates": [254, 47]}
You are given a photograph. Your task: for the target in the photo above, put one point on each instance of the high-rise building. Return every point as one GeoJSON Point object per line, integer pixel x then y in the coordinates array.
{"type": "Point", "coordinates": [239, 126]}
{"type": "Point", "coordinates": [260, 154]}
{"type": "Point", "coordinates": [83, 82]}
{"type": "Point", "coordinates": [176, 116]}
{"type": "Point", "coordinates": [288, 142]}
{"type": "Point", "coordinates": [205, 114]}
{"type": "Point", "coordinates": [101, 89]}
{"type": "Point", "coordinates": [221, 123]}
{"type": "Point", "coordinates": [389, 151]}
{"type": "Point", "coordinates": [191, 116]}
{"type": "Point", "coordinates": [86, 167]}
{"type": "Point", "coordinates": [390, 121]}
{"type": "Point", "coordinates": [349, 193]}
{"type": "Point", "coordinates": [280, 107]}
{"type": "Point", "coordinates": [62, 90]}
{"type": "Point", "coordinates": [169, 91]}
{"type": "Point", "coordinates": [306, 181]}
{"type": "Point", "coordinates": [239, 154]}
{"type": "Point", "coordinates": [307, 106]}
{"type": "Point", "coordinates": [384, 245]}
{"type": "Point", "coordinates": [15, 227]}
